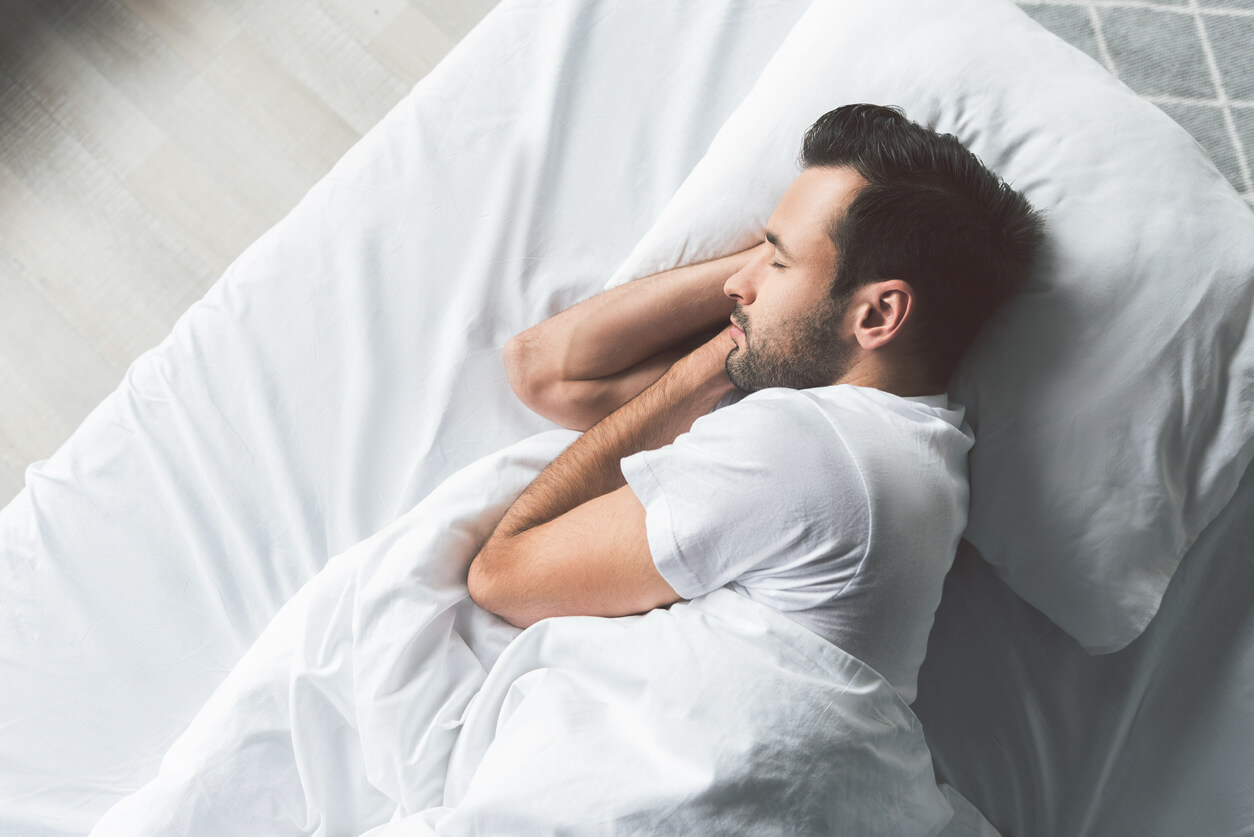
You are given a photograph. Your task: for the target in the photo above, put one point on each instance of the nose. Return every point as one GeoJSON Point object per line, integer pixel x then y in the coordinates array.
{"type": "Point", "coordinates": [739, 286]}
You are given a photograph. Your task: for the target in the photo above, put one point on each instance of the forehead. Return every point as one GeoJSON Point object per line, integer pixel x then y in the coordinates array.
{"type": "Point", "coordinates": [801, 217]}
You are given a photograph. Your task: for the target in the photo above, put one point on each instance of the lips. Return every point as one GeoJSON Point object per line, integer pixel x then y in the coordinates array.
{"type": "Point", "coordinates": [736, 330]}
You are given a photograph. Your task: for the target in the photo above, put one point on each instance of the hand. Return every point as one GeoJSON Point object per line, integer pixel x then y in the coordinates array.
{"type": "Point", "coordinates": [707, 363]}
{"type": "Point", "coordinates": [718, 347]}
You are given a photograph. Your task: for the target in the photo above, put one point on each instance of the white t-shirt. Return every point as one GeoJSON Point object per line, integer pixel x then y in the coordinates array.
{"type": "Point", "coordinates": [839, 506]}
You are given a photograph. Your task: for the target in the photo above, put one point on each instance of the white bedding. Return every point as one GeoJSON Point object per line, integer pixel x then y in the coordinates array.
{"type": "Point", "coordinates": [344, 365]}
{"type": "Point", "coordinates": [1157, 739]}
{"type": "Point", "coordinates": [381, 700]}
{"type": "Point", "coordinates": [349, 362]}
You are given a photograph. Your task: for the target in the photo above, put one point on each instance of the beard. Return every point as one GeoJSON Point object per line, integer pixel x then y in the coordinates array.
{"type": "Point", "coordinates": [800, 353]}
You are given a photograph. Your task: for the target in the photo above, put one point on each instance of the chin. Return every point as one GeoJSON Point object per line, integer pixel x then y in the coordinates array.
{"type": "Point", "coordinates": [729, 366]}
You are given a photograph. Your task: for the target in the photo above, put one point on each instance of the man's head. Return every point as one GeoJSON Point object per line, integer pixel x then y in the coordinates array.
{"type": "Point", "coordinates": [886, 255]}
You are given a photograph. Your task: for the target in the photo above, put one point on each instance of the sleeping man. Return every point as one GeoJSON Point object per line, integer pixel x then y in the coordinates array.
{"type": "Point", "coordinates": [835, 491]}
{"type": "Point", "coordinates": [806, 458]}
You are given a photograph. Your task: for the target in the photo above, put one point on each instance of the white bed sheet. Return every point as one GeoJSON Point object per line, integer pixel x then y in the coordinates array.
{"type": "Point", "coordinates": [342, 367]}
{"type": "Point", "coordinates": [1156, 739]}
{"type": "Point", "coordinates": [350, 360]}
{"type": "Point", "coordinates": [382, 702]}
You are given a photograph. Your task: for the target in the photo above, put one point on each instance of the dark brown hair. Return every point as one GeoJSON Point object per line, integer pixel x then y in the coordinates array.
{"type": "Point", "coordinates": [931, 215]}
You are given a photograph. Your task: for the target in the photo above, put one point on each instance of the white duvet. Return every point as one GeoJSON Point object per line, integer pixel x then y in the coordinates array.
{"type": "Point", "coordinates": [350, 361]}
{"type": "Point", "coordinates": [382, 701]}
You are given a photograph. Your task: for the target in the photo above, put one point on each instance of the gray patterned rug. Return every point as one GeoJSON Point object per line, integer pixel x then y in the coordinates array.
{"type": "Point", "coordinates": [1194, 59]}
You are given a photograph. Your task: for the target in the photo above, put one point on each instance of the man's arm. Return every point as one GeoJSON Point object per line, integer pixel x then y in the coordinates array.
{"type": "Point", "coordinates": [574, 541]}
{"type": "Point", "coordinates": [582, 364]}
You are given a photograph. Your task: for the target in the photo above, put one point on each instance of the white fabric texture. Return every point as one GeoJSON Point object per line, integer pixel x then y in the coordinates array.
{"type": "Point", "coordinates": [382, 701]}
{"type": "Point", "coordinates": [349, 361]}
{"type": "Point", "coordinates": [1117, 390]}
{"type": "Point", "coordinates": [840, 507]}
{"type": "Point", "coordinates": [345, 364]}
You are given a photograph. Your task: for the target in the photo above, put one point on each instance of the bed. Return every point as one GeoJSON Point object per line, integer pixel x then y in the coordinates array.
{"type": "Point", "coordinates": [296, 420]}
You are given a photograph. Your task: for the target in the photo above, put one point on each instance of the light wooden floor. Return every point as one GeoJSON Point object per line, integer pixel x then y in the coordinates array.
{"type": "Point", "coordinates": [143, 145]}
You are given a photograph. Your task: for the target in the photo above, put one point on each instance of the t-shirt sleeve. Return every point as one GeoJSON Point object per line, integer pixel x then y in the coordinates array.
{"type": "Point", "coordinates": [761, 491]}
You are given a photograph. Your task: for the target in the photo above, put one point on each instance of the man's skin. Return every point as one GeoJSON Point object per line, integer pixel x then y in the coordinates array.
{"type": "Point", "coordinates": [574, 542]}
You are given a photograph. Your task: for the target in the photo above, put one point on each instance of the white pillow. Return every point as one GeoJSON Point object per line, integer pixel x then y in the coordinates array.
{"type": "Point", "coordinates": [1113, 400]}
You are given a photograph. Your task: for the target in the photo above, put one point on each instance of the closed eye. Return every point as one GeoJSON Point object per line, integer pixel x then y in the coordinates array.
{"type": "Point", "coordinates": [777, 264]}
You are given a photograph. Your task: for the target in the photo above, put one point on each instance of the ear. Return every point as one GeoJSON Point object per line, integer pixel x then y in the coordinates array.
{"type": "Point", "coordinates": [880, 309]}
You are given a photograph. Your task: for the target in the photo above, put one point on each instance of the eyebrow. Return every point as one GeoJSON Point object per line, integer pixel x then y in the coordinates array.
{"type": "Point", "coordinates": [774, 239]}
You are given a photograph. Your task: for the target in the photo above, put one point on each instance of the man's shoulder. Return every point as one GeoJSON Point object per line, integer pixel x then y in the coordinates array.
{"type": "Point", "coordinates": [833, 400]}
{"type": "Point", "coordinates": [766, 410]}
{"type": "Point", "coordinates": [847, 410]}
{"type": "Point", "coordinates": [784, 398]}
{"type": "Point", "coordinates": [781, 417]}
{"type": "Point", "coordinates": [867, 422]}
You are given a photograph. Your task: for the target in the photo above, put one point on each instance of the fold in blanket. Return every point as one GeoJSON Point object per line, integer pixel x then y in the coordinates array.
{"type": "Point", "coordinates": [382, 701]}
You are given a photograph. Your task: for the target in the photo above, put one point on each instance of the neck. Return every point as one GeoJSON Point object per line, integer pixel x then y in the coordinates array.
{"type": "Point", "coordinates": [905, 380]}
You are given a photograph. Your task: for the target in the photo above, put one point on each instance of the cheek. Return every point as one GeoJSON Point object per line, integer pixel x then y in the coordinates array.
{"type": "Point", "coordinates": [804, 329]}
{"type": "Point", "coordinates": [787, 319]}
{"type": "Point", "coordinates": [793, 299]}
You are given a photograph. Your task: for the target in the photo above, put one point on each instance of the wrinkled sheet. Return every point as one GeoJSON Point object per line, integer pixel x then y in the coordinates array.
{"type": "Point", "coordinates": [345, 364]}
{"type": "Point", "coordinates": [381, 701]}
{"type": "Point", "coordinates": [1155, 739]}
{"type": "Point", "coordinates": [349, 361]}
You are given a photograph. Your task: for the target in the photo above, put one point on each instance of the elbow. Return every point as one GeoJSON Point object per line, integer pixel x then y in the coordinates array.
{"type": "Point", "coordinates": [531, 379]}
{"type": "Point", "coordinates": [479, 583]}
{"type": "Point", "coordinates": [519, 357]}
{"type": "Point", "coordinates": [543, 389]}
{"type": "Point", "coordinates": [486, 590]}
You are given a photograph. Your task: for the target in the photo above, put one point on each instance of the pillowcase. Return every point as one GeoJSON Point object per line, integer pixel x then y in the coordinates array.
{"type": "Point", "coordinates": [1113, 399]}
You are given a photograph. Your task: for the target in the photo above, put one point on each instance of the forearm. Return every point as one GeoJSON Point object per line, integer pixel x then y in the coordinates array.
{"type": "Point", "coordinates": [579, 365]}
{"type": "Point", "coordinates": [618, 328]}
{"type": "Point", "coordinates": [575, 541]}
{"type": "Point", "coordinates": [589, 468]}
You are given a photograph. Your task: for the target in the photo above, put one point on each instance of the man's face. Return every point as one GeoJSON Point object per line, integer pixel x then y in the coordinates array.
{"type": "Point", "coordinates": [793, 332]}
